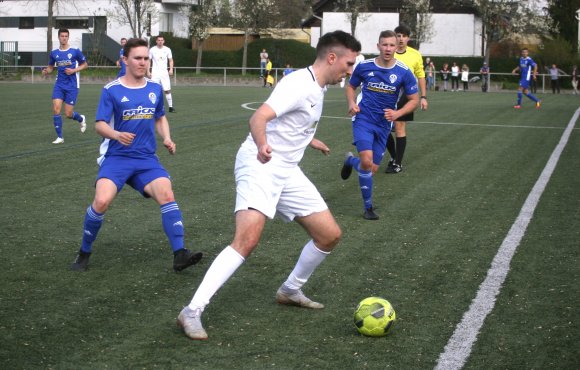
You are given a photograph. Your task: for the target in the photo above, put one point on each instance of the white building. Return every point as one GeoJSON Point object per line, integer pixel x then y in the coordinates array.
{"type": "Point", "coordinates": [25, 22]}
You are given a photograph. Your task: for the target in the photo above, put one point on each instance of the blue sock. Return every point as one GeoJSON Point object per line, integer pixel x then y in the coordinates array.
{"type": "Point", "coordinates": [529, 95]}
{"type": "Point", "coordinates": [57, 120]}
{"type": "Point", "coordinates": [77, 117]}
{"type": "Point", "coordinates": [92, 225]}
{"type": "Point", "coordinates": [365, 180]}
{"type": "Point", "coordinates": [520, 97]}
{"type": "Point", "coordinates": [173, 225]}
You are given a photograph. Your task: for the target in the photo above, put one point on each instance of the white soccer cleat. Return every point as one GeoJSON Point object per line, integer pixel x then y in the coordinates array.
{"type": "Point", "coordinates": [190, 321]}
{"type": "Point", "coordinates": [83, 124]}
{"type": "Point", "coordinates": [296, 298]}
{"type": "Point", "coordinates": [59, 140]}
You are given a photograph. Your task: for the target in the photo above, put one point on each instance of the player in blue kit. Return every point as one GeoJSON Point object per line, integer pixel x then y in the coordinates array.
{"type": "Point", "coordinates": [130, 111]}
{"type": "Point", "coordinates": [381, 80]}
{"type": "Point", "coordinates": [528, 70]}
{"type": "Point", "coordinates": [69, 62]}
{"type": "Point", "coordinates": [120, 62]}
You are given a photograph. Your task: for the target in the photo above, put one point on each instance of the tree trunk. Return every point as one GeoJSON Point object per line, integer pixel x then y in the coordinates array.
{"type": "Point", "coordinates": [49, 26]}
{"type": "Point", "coordinates": [199, 55]}
{"type": "Point", "coordinates": [245, 57]}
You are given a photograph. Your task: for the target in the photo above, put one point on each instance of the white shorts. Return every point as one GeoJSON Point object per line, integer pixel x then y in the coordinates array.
{"type": "Point", "coordinates": [274, 190]}
{"type": "Point", "coordinates": [162, 79]}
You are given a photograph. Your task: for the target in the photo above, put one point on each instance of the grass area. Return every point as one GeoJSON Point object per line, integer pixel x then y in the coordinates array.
{"type": "Point", "coordinates": [471, 161]}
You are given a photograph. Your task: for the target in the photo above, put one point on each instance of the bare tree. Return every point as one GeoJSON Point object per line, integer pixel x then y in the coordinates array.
{"type": "Point", "coordinates": [417, 14]}
{"type": "Point", "coordinates": [354, 8]}
{"type": "Point", "coordinates": [138, 13]}
{"type": "Point", "coordinates": [502, 19]}
{"type": "Point", "coordinates": [201, 18]}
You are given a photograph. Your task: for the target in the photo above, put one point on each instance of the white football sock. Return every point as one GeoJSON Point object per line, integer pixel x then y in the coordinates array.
{"type": "Point", "coordinates": [169, 100]}
{"type": "Point", "coordinates": [308, 261]}
{"type": "Point", "coordinates": [221, 269]}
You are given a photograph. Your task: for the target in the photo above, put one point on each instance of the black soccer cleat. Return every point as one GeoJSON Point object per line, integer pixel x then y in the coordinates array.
{"type": "Point", "coordinates": [184, 258]}
{"type": "Point", "coordinates": [346, 168]}
{"type": "Point", "coordinates": [81, 262]}
{"type": "Point", "coordinates": [370, 214]}
{"type": "Point", "coordinates": [394, 168]}
{"type": "Point", "coordinates": [171, 110]}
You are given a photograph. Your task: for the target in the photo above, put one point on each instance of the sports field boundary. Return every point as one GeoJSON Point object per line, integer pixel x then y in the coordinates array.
{"type": "Point", "coordinates": [459, 346]}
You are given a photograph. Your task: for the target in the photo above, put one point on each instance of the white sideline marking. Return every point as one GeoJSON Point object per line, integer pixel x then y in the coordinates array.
{"type": "Point", "coordinates": [459, 346]}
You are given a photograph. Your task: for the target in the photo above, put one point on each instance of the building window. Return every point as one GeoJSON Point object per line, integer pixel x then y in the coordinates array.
{"type": "Point", "coordinates": [72, 22]}
{"type": "Point", "coordinates": [165, 22]}
{"type": "Point", "coordinates": [26, 23]}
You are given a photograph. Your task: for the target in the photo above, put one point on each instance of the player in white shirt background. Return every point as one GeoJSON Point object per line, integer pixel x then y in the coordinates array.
{"type": "Point", "coordinates": [161, 61]}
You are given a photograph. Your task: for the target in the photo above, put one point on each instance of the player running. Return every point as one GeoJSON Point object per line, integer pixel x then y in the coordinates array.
{"type": "Point", "coordinates": [129, 113]}
{"type": "Point", "coordinates": [528, 70]}
{"type": "Point", "coordinates": [381, 80]}
{"type": "Point", "coordinates": [69, 62]}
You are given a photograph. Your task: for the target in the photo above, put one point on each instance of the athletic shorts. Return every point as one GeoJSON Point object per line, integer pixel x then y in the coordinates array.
{"type": "Point", "coordinates": [525, 84]}
{"type": "Point", "coordinates": [368, 136]}
{"type": "Point", "coordinates": [407, 117]}
{"type": "Point", "coordinates": [163, 80]}
{"type": "Point", "coordinates": [67, 95]}
{"type": "Point", "coordinates": [137, 173]}
{"type": "Point", "coordinates": [274, 190]}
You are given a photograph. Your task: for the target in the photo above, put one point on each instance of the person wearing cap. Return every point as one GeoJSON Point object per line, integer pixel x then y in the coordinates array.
{"type": "Point", "coordinates": [484, 70]}
{"type": "Point", "coordinates": [413, 59]}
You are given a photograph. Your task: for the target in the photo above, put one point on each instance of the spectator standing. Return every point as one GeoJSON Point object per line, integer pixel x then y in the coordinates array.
{"type": "Point", "coordinates": [555, 79]}
{"type": "Point", "coordinates": [484, 70]}
{"type": "Point", "coordinates": [465, 77]}
{"type": "Point", "coordinates": [263, 62]}
{"type": "Point", "coordinates": [430, 72]}
{"type": "Point", "coordinates": [445, 72]}
{"type": "Point", "coordinates": [454, 77]}
{"type": "Point", "coordinates": [574, 75]}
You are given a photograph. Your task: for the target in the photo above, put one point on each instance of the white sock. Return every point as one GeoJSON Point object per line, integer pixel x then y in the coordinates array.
{"type": "Point", "coordinates": [169, 100]}
{"type": "Point", "coordinates": [221, 269]}
{"type": "Point", "coordinates": [308, 261]}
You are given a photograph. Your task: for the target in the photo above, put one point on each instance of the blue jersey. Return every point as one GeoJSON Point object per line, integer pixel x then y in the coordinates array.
{"type": "Point", "coordinates": [132, 110]}
{"type": "Point", "coordinates": [122, 64]}
{"type": "Point", "coordinates": [380, 88]}
{"type": "Point", "coordinates": [63, 59]}
{"type": "Point", "coordinates": [527, 65]}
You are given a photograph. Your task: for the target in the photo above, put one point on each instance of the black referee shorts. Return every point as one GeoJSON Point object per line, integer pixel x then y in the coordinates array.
{"type": "Point", "coordinates": [407, 117]}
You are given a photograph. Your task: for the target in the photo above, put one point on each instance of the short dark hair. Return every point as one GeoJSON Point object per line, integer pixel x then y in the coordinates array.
{"type": "Point", "coordinates": [403, 30]}
{"type": "Point", "coordinates": [387, 34]}
{"type": "Point", "coordinates": [63, 30]}
{"type": "Point", "coordinates": [133, 43]}
{"type": "Point", "coordinates": [158, 36]}
{"type": "Point", "coordinates": [124, 38]}
{"type": "Point", "coordinates": [336, 38]}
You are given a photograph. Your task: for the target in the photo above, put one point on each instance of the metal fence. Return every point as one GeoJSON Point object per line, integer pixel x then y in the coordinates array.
{"type": "Point", "coordinates": [220, 76]}
{"type": "Point", "coordinates": [8, 56]}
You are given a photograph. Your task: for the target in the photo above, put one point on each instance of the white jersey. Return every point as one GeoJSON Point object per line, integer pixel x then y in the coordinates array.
{"type": "Point", "coordinates": [297, 101]}
{"type": "Point", "coordinates": [160, 59]}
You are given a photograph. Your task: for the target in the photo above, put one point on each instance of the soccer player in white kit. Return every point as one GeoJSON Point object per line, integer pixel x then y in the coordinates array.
{"type": "Point", "coordinates": [160, 56]}
{"type": "Point", "coordinates": [269, 180]}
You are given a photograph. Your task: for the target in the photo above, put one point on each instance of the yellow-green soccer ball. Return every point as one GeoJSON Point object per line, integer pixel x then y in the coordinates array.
{"type": "Point", "coordinates": [374, 317]}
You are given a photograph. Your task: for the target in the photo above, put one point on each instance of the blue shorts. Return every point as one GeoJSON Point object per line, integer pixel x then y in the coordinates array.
{"type": "Point", "coordinates": [368, 136]}
{"type": "Point", "coordinates": [137, 172]}
{"type": "Point", "coordinates": [67, 95]}
{"type": "Point", "coordinates": [525, 84]}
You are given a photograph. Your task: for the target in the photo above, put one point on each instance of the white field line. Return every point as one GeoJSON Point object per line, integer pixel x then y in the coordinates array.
{"type": "Point", "coordinates": [459, 346]}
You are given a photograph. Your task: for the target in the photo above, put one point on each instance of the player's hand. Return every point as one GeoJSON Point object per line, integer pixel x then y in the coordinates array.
{"type": "Point", "coordinates": [44, 71]}
{"type": "Point", "coordinates": [391, 114]}
{"type": "Point", "coordinates": [319, 145]}
{"type": "Point", "coordinates": [353, 109]}
{"type": "Point", "coordinates": [69, 71]}
{"type": "Point", "coordinates": [170, 145]}
{"type": "Point", "coordinates": [264, 153]}
{"type": "Point", "coordinates": [125, 138]}
{"type": "Point", "coordinates": [424, 104]}
{"type": "Point", "coordinates": [171, 72]}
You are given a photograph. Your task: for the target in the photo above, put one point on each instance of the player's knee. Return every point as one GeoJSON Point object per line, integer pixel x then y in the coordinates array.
{"type": "Point", "coordinates": [329, 240]}
{"type": "Point", "coordinates": [366, 164]}
{"type": "Point", "coordinates": [101, 204]}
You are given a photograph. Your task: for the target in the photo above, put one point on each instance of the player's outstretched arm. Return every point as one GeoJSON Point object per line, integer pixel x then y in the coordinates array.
{"type": "Point", "coordinates": [162, 126]}
{"type": "Point", "coordinates": [106, 131]}
{"type": "Point", "coordinates": [319, 145]}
